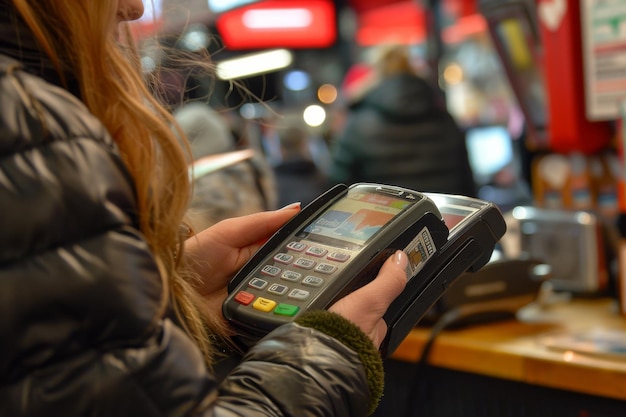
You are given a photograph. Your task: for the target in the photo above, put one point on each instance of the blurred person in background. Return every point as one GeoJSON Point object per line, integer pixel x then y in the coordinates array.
{"type": "Point", "coordinates": [398, 131]}
{"type": "Point", "coordinates": [297, 176]}
{"type": "Point", "coordinates": [109, 305]}
{"type": "Point", "coordinates": [222, 192]}
{"type": "Point", "coordinates": [183, 84]}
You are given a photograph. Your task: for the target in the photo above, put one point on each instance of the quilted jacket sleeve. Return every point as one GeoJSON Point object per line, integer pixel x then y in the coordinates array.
{"type": "Point", "coordinates": [79, 292]}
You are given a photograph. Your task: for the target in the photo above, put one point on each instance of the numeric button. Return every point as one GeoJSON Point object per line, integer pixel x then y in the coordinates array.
{"type": "Point", "coordinates": [296, 246]}
{"type": "Point", "coordinates": [291, 276]}
{"type": "Point", "coordinates": [270, 270]}
{"type": "Point", "coordinates": [325, 269]}
{"type": "Point", "coordinates": [283, 258]}
{"type": "Point", "coordinates": [277, 289]}
{"type": "Point", "coordinates": [257, 283]}
{"type": "Point", "coordinates": [338, 256]}
{"type": "Point", "coordinates": [315, 251]}
{"type": "Point", "coordinates": [298, 294]}
{"type": "Point", "coordinates": [304, 263]}
{"type": "Point", "coordinates": [312, 281]}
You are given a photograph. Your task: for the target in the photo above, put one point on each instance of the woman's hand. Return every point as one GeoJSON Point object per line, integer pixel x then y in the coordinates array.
{"type": "Point", "coordinates": [366, 306]}
{"type": "Point", "coordinates": [218, 252]}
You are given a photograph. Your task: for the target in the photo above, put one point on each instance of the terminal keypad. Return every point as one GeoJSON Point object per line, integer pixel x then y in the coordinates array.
{"type": "Point", "coordinates": [291, 278]}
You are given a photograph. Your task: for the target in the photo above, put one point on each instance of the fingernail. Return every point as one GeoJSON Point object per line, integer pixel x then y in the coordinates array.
{"type": "Point", "coordinates": [400, 259]}
{"type": "Point", "coordinates": [292, 206]}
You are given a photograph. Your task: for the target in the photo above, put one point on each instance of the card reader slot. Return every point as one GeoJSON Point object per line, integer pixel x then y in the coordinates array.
{"type": "Point", "coordinates": [410, 315]}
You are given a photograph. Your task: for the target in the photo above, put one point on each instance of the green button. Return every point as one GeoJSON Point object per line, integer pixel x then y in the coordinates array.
{"type": "Point", "coordinates": [286, 310]}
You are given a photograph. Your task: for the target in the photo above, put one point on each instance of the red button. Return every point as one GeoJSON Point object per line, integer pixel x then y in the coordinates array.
{"type": "Point", "coordinates": [244, 297]}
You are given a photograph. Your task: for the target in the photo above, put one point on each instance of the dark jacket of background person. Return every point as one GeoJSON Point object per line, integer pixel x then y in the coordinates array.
{"type": "Point", "coordinates": [298, 178]}
{"type": "Point", "coordinates": [80, 291]}
{"type": "Point", "coordinates": [399, 133]}
{"type": "Point", "coordinates": [236, 190]}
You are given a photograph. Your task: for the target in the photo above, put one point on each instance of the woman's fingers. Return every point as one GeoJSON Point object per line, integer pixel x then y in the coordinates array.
{"type": "Point", "coordinates": [366, 306]}
{"type": "Point", "coordinates": [219, 251]}
{"type": "Point", "coordinates": [243, 231]}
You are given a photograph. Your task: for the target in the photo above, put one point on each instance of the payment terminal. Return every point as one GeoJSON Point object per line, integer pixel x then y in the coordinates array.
{"type": "Point", "coordinates": [337, 244]}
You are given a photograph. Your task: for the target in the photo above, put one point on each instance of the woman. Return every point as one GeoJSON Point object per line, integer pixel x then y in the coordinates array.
{"type": "Point", "coordinates": [106, 307]}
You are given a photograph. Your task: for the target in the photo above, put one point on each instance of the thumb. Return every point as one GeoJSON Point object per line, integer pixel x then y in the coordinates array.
{"type": "Point", "coordinates": [389, 283]}
{"type": "Point", "coordinates": [366, 306]}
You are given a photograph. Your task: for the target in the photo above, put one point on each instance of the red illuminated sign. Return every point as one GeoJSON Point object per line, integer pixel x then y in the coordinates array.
{"type": "Point", "coordinates": [398, 22]}
{"type": "Point", "coordinates": [279, 24]}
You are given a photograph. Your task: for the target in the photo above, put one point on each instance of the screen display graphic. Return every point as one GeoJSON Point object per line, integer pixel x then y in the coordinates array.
{"type": "Point", "coordinates": [355, 220]}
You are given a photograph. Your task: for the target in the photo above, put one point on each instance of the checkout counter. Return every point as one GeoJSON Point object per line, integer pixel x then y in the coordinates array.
{"type": "Point", "coordinates": [511, 368]}
{"type": "Point", "coordinates": [558, 353]}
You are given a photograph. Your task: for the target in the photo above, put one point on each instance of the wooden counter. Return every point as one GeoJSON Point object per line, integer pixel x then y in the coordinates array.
{"type": "Point", "coordinates": [513, 349]}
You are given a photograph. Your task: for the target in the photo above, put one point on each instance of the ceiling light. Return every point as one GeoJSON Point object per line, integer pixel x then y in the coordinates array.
{"type": "Point", "coordinates": [254, 64]}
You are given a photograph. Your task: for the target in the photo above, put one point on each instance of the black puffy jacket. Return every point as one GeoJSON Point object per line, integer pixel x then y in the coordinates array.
{"type": "Point", "coordinates": [80, 291]}
{"type": "Point", "coordinates": [400, 134]}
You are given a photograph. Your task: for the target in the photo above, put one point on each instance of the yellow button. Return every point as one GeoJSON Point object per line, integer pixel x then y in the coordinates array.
{"type": "Point", "coordinates": [263, 304]}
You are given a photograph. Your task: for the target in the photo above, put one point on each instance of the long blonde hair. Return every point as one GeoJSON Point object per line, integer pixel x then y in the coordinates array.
{"type": "Point", "coordinates": [77, 37]}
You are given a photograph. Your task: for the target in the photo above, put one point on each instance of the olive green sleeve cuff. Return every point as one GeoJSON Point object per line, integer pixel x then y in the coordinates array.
{"type": "Point", "coordinates": [352, 336]}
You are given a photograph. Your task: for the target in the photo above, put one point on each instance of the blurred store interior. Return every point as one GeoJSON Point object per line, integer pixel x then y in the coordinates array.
{"type": "Point", "coordinates": [538, 88]}
{"type": "Point", "coordinates": [313, 44]}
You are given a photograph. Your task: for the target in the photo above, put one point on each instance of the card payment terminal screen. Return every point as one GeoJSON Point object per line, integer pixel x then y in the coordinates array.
{"type": "Point", "coordinates": [353, 221]}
